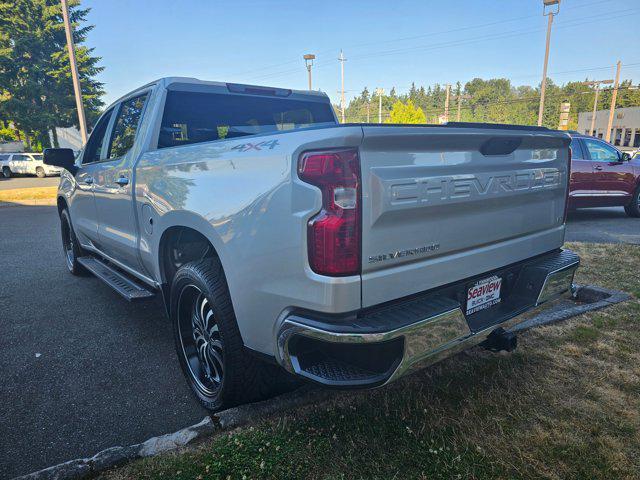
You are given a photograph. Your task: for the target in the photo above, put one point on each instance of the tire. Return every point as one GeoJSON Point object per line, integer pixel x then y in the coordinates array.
{"type": "Point", "coordinates": [633, 209]}
{"type": "Point", "coordinates": [70, 246]}
{"type": "Point", "coordinates": [6, 171]}
{"type": "Point", "coordinates": [40, 172]}
{"type": "Point", "coordinates": [214, 361]}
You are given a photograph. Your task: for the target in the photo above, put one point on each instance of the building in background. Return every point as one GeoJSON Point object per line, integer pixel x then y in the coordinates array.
{"type": "Point", "coordinates": [625, 131]}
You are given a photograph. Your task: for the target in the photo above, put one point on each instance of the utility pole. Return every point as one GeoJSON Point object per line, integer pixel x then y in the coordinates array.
{"type": "Point", "coordinates": [379, 92]}
{"type": "Point", "coordinates": [595, 83]}
{"type": "Point", "coordinates": [308, 60]}
{"type": "Point", "coordinates": [614, 96]}
{"type": "Point", "coordinates": [446, 104]}
{"type": "Point", "coordinates": [543, 85]}
{"type": "Point", "coordinates": [342, 103]}
{"type": "Point", "coordinates": [74, 72]}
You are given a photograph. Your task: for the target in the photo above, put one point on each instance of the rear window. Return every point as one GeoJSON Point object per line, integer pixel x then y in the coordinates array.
{"type": "Point", "coordinates": [193, 117]}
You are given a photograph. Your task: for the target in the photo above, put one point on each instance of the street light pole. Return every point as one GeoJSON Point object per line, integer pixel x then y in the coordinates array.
{"type": "Point", "coordinates": [379, 92]}
{"type": "Point", "coordinates": [595, 109]}
{"type": "Point", "coordinates": [342, 103]}
{"type": "Point", "coordinates": [543, 85]}
{"type": "Point", "coordinates": [446, 104]}
{"type": "Point", "coordinates": [82, 122]}
{"type": "Point", "coordinates": [308, 60]}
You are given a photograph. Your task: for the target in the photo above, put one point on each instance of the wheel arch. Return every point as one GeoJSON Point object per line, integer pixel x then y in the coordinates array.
{"type": "Point", "coordinates": [62, 204]}
{"type": "Point", "coordinates": [194, 236]}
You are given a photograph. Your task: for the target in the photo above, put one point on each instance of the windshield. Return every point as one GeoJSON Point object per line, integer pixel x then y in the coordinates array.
{"type": "Point", "coordinates": [192, 117]}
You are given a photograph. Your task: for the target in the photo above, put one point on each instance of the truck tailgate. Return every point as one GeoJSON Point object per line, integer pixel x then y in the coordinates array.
{"type": "Point", "coordinates": [440, 204]}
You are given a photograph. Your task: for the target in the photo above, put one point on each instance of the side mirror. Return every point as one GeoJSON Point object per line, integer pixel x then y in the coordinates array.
{"type": "Point", "coordinates": [625, 157]}
{"type": "Point", "coordinates": [60, 157]}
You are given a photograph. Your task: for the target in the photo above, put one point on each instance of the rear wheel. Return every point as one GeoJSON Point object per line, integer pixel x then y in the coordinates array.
{"type": "Point", "coordinates": [208, 343]}
{"type": "Point", "coordinates": [6, 171]}
{"type": "Point", "coordinates": [633, 209]}
{"type": "Point", "coordinates": [40, 172]}
{"type": "Point", "coordinates": [70, 245]}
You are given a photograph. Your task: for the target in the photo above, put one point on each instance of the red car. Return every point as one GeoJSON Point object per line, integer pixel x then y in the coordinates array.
{"type": "Point", "coordinates": [603, 176]}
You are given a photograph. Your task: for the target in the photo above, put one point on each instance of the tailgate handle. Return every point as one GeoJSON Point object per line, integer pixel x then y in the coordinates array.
{"type": "Point", "coordinates": [500, 146]}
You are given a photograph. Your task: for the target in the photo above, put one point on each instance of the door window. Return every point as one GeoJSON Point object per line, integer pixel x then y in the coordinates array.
{"type": "Point", "coordinates": [20, 158]}
{"type": "Point", "coordinates": [124, 131]}
{"type": "Point", "coordinates": [93, 150]}
{"type": "Point", "coordinates": [601, 152]}
{"type": "Point", "coordinates": [576, 150]}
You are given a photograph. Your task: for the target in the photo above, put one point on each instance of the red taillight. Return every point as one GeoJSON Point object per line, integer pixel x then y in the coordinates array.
{"type": "Point", "coordinates": [566, 201]}
{"type": "Point", "coordinates": [333, 235]}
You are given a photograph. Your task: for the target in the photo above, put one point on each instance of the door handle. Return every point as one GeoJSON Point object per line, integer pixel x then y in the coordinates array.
{"type": "Point", "coordinates": [122, 181]}
{"type": "Point", "coordinates": [598, 167]}
{"type": "Point", "coordinates": [88, 180]}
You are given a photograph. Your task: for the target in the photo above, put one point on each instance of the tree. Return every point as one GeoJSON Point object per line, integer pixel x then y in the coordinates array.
{"type": "Point", "coordinates": [36, 89]}
{"type": "Point", "coordinates": [406, 113]}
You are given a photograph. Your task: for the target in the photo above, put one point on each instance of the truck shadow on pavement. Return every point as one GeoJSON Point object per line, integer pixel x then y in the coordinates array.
{"type": "Point", "coordinates": [83, 370]}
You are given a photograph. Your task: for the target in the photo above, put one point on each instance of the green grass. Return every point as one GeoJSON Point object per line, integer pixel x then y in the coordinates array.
{"type": "Point", "coordinates": [565, 405]}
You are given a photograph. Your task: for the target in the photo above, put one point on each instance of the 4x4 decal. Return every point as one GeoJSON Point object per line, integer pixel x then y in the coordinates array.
{"type": "Point", "coordinates": [245, 147]}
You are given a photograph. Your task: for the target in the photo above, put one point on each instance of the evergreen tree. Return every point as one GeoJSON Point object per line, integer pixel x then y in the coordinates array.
{"type": "Point", "coordinates": [36, 89]}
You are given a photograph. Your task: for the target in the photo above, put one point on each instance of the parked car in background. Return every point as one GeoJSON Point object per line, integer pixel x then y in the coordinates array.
{"type": "Point", "coordinates": [603, 176]}
{"type": "Point", "coordinates": [348, 255]}
{"type": "Point", "coordinates": [26, 164]}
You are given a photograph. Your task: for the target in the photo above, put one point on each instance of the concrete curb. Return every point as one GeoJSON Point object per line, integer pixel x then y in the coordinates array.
{"type": "Point", "coordinates": [587, 298]}
{"type": "Point", "coordinates": [30, 202]}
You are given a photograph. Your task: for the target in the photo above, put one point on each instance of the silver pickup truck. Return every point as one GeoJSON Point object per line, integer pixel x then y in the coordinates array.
{"type": "Point", "coordinates": [281, 241]}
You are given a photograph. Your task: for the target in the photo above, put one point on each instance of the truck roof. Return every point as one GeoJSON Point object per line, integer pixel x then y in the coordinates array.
{"type": "Point", "coordinates": [165, 82]}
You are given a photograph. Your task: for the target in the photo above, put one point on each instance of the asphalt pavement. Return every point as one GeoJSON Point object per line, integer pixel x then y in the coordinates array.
{"type": "Point", "coordinates": [27, 182]}
{"type": "Point", "coordinates": [83, 370]}
{"type": "Point", "coordinates": [602, 225]}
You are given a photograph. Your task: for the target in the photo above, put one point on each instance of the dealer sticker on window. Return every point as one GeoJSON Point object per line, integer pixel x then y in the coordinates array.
{"type": "Point", "coordinates": [484, 294]}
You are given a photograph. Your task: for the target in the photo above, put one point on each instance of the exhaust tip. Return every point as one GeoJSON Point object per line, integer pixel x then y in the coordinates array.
{"type": "Point", "coordinates": [500, 340]}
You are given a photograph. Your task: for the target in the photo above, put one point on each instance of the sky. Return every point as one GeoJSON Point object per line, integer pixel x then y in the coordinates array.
{"type": "Point", "coordinates": [386, 43]}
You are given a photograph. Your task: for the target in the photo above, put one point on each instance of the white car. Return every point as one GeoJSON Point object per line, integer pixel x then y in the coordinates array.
{"type": "Point", "coordinates": [26, 164]}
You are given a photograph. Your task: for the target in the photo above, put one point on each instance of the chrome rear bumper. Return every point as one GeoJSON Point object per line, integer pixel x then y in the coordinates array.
{"type": "Point", "coordinates": [376, 347]}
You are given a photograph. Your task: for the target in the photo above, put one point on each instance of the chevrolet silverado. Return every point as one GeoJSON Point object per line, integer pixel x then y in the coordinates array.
{"type": "Point", "coordinates": [281, 241]}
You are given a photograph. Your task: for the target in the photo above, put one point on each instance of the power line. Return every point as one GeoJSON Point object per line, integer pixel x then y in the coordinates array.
{"type": "Point", "coordinates": [413, 37]}
{"type": "Point", "coordinates": [454, 43]}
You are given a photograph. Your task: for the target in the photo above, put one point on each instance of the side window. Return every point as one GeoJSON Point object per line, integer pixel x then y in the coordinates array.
{"type": "Point", "coordinates": [4, 158]}
{"type": "Point", "coordinates": [93, 150]}
{"type": "Point", "coordinates": [20, 158]}
{"type": "Point", "coordinates": [576, 150]}
{"type": "Point", "coordinates": [124, 131]}
{"type": "Point", "coordinates": [601, 152]}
